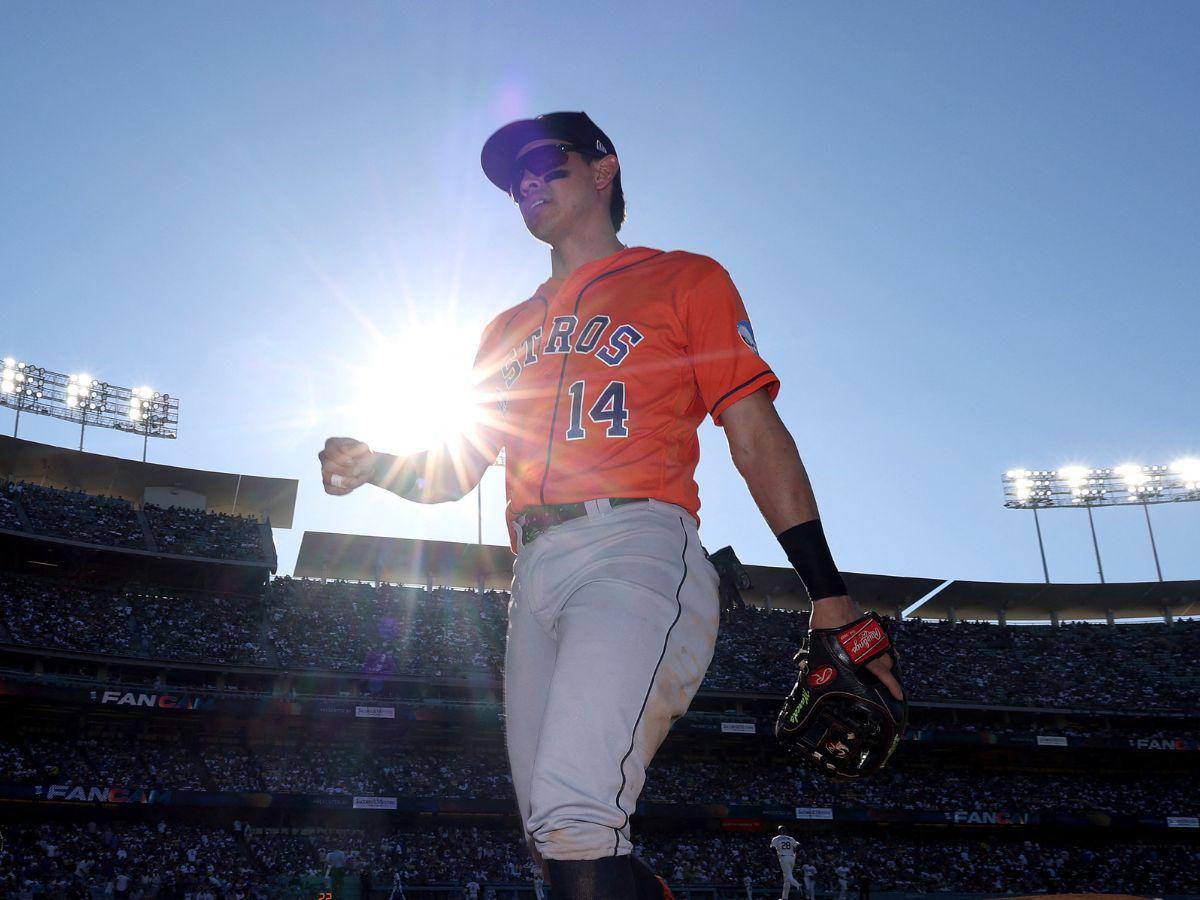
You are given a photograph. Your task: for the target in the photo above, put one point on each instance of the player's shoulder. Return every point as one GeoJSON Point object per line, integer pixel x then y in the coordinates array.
{"type": "Point", "coordinates": [687, 265]}
{"type": "Point", "coordinates": [502, 320]}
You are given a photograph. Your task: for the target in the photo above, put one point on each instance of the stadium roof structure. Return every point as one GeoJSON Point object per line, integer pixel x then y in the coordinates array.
{"type": "Point", "coordinates": [361, 557]}
{"type": "Point", "coordinates": [356, 557]}
{"type": "Point", "coordinates": [112, 476]}
{"type": "Point", "coordinates": [780, 588]}
{"type": "Point", "coordinates": [1042, 602]}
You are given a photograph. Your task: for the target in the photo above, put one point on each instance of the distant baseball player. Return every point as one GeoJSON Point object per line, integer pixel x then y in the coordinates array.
{"type": "Point", "coordinates": [594, 386]}
{"type": "Point", "coordinates": [748, 884]}
{"type": "Point", "coordinates": [785, 848]}
{"type": "Point", "coordinates": [471, 890]}
{"type": "Point", "coordinates": [809, 874]}
{"type": "Point", "coordinates": [397, 886]}
{"type": "Point", "coordinates": [843, 879]}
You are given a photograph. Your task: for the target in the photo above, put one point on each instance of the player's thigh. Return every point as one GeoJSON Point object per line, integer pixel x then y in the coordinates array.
{"type": "Point", "coordinates": [528, 669]}
{"type": "Point", "coordinates": [633, 647]}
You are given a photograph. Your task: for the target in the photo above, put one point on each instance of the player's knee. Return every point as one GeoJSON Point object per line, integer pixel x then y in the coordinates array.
{"type": "Point", "coordinates": [574, 840]}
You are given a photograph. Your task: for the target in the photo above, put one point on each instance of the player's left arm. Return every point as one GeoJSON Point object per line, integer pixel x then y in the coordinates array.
{"type": "Point", "coordinates": [766, 456]}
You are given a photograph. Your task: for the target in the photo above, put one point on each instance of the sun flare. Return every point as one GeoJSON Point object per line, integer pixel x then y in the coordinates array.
{"type": "Point", "coordinates": [416, 390]}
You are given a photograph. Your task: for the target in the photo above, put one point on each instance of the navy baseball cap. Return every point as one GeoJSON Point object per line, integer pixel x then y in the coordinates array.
{"type": "Point", "coordinates": [575, 128]}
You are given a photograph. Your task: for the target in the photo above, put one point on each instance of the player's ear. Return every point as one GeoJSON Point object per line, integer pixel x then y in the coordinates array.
{"type": "Point", "coordinates": [604, 170]}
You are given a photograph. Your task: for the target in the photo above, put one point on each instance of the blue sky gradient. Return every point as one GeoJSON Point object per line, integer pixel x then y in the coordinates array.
{"type": "Point", "coordinates": [967, 235]}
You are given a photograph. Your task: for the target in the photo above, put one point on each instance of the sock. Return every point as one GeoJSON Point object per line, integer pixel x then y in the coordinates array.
{"type": "Point", "coordinates": [609, 878]}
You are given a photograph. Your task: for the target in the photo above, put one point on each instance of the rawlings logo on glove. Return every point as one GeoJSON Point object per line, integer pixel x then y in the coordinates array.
{"type": "Point", "coordinates": [839, 716]}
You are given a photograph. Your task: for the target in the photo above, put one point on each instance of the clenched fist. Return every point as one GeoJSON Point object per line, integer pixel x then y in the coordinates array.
{"type": "Point", "coordinates": [345, 465]}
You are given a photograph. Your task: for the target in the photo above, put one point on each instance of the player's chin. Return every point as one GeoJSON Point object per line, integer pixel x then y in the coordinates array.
{"type": "Point", "coordinates": [542, 229]}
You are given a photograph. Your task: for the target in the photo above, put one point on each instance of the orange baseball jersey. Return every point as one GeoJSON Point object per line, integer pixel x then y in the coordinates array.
{"type": "Point", "coordinates": [598, 382]}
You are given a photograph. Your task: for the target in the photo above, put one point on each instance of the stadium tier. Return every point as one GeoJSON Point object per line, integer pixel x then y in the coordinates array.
{"type": "Point", "coordinates": [181, 724]}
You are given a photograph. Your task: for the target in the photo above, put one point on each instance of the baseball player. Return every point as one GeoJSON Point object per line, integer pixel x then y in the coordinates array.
{"type": "Point", "coordinates": [594, 387]}
{"type": "Point", "coordinates": [843, 879]}
{"type": "Point", "coordinates": [809, 874]}
{"type": "Point", "coordinates": [785, 848]}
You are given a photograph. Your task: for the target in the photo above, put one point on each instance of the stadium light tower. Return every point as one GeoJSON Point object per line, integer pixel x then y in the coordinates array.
{"type": "Point", "coordinates": [21, 386]}
{"type": "Point", "coordinates": [1076, 487]}
{"type": "Point", "coordinates": [88, 401]}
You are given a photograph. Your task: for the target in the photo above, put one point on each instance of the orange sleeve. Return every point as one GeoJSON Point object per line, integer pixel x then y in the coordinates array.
{"type": "Point", "coordinates": [721, 344]}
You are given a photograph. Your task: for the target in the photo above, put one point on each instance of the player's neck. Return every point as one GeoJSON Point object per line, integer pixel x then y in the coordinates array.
{"type": "Point", "coordinates": [580, 249]}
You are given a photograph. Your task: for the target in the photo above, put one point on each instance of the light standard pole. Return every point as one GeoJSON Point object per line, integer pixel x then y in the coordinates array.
{"type": "Point", "coordinates": [1041, 546]}
{"type": "Point", "coordinates": [1072, 487]}
{"type": "Point", "coordinates": [1153, 546]}
{"type": "Point", "coordinates": [1095, 543]}
{"type": "Point", "coordinates": [499, 463]}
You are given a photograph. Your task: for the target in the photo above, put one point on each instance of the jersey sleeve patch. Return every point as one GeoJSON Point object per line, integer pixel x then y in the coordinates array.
{"type": "Point", "coordinates": [746, 333]}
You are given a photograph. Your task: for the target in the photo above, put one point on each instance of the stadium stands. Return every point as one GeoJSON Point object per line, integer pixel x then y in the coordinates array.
{"type": "Point", "coordinates": [115, 522]}
{"type": "Point", "coordinates": [176, 737]}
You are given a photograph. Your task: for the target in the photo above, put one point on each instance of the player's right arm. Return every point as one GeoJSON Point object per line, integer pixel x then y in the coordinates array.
{"type": "Point", "coordinates": [439, 475]}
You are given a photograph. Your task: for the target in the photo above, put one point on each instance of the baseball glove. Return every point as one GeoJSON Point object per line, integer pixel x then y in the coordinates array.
{"type": "Point", "coordinates": [839, 716]}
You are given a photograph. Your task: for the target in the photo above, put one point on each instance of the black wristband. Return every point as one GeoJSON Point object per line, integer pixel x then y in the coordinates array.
{"type": "Point", "coordinates": [808, 552]}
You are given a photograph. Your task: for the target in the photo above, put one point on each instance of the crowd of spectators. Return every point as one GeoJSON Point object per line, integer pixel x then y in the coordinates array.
{"type": "Point", "coordinates": [115, 522]}
{"type": "Point", "coordinates": [10, 517]}
{"type": "Point", "coordinates": [163, 860]}
{"type": "Point", "coordinates": [94, 519]}
{"type": "Point", "coordinates": [892, 862]}
{"type": "Point", "coordinates": [110, 760]}
{"type": "Point", "coordinates": [131, 622]}
{"type": "Point", "coordinates": [321, 769]}
{"type": "Point", "coordinates": [128, 860]}
{"type": "Point", "coordinates": [767, 781]}
{"type": "Point", "coordinates": [385, 630]}
{"type": "Point", "coordinates": [356, 769]}
{"type": "Point", "coordinates": [67, 616]}
{"type": "Point", "coordinates": [231, 767]}
{"type": "Point", "coordinates": [196, 532]}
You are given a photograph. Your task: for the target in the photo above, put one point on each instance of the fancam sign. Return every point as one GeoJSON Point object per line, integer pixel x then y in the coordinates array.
{"type": "Point", "coordinates": [1158, 743]}
{"type": "Point", "coordinates": [1051, 740]}
{"type": "Point", "coordinates": [1183, 822]}
{"type": "Point", "coordinates": [738, 728]}
{"type": "Point", "coordinates": [987, 817]}
{"type": "Point", "coordinates": [814, 812]}
{"type": "Point", "coordinates": [375, 712]}
{"type": "Point", "coordinates": [74, 793]}
{"type": "Point", "coordinates": [374, 803]}
{"type": "Point", "coordinates": [153, 701]}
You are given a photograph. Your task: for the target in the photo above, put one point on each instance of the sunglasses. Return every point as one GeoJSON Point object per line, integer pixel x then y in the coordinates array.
{"type": "Point", "coordinates": [539, 161]}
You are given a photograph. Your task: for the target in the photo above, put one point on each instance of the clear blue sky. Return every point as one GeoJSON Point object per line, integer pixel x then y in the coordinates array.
{"type": "Point", "coordinates": [967, 234]}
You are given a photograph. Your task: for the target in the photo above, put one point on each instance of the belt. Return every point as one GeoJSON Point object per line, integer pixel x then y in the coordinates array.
{"type": "Point", "coordinates": [537, 520]}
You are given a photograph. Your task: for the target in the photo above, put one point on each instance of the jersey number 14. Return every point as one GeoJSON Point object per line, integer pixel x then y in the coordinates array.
{"type": "Point", "coordinates": [609, 407]}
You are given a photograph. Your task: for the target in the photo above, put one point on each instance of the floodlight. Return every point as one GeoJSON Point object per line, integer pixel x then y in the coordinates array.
{"type": "Point", "coordinates": [1188, 471]}
{"type": "Point", "coordinates": [1083, 487]}
{"type": "Point", "coordinates": [88, 401]}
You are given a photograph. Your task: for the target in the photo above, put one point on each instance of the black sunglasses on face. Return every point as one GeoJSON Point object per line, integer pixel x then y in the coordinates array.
{"type": "Point", "coordinates": [539, 161]}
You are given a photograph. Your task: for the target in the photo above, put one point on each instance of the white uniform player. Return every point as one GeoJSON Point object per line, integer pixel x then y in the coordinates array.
{"type": "Point", "coordinates": [843, 880]}
{"type": "Point", "coordinates": [785, 848]}
{"type": "Point", "coordinates": [810, 881]}
{"type": "Point", "coordinates": [472, 890]}
{"type": "Point", "coordinates": [749, 884]}
{"type": "Point", "coordinates": [539, 885]}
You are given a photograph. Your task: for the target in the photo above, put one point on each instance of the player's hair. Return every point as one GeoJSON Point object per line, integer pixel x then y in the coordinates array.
{"type": "Point", "coordinates": [616, 209]}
